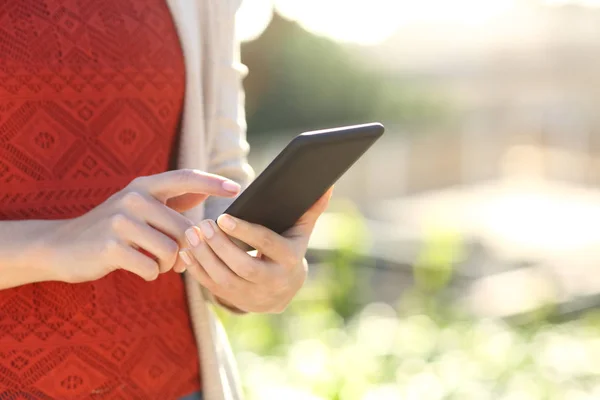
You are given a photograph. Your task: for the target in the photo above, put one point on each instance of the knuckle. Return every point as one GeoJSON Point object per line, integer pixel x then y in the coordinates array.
{"type": "Point", "coordinates": [289, 258]}
{"type": "Point", "coordinates": [110, 248]}
{"type": "Point", "coordinates": [167, 248]}
{"type": "Point", "coordinates": [172, 249]}
{"type": "Point", "coordinates": [152, 265]}
{"type": "Point", "coordinates": [265, 240]}
{"type": "Point", "coordinates": [183, 222]}
{"type": "Point", "coordinates": [171, 252]}
{"type": "Point", "coordinates": [185, 175]}
{"type": "Point", "coordinates": [138, 182]}
{"type": "Point", "coordinates": [132, 200]}
{"type": "Point", "coordinates": [151, 270]}
{"type": "Point", "coordinates": [118, 222]}
{"type": "Point", "coordinates": [164, 267]}
{"type": "Point", "coordinates": [152, 276]}
{"type": "Point", "coordinates": [248, 271]}
{"type": "Point", "coordinates": [167, 253]}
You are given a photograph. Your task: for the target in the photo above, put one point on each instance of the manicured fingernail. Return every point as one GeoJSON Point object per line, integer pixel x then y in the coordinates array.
{"type": "Point", "coordinates": [186, 258]}
{"type": "Point", "coordinates": [207, 229]}
{"type": "Point", "coordinates": [231, 186]}
{"type": "Point", "coordinates": [227, 222]}
{"type": "Point", "coordinates": [192, 237]}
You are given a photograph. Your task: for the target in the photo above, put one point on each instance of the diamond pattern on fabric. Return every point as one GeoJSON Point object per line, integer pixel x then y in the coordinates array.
{"type": "Point", "coordinates": [91, 92]}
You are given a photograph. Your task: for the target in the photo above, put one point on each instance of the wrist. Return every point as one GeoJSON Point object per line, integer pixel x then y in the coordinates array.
{"type": "Point", "coordinates": [38, 254]}
{"type": "Point", "coordinates": [23, 256]}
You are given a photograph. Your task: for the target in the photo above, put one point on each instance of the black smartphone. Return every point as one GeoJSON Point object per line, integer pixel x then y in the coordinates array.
{"type": "Point", "coordinates": [301, 173]}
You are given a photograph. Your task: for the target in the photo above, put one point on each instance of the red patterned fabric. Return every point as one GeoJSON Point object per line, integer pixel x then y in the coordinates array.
{"type": "Point", "coordinates": [91, 93]}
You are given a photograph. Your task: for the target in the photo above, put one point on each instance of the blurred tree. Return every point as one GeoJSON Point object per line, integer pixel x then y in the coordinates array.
{"type": "Point", "coordinates": [300, 81]}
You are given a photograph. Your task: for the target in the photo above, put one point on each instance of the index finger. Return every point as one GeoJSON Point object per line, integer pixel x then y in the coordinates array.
{"type": "Point", "coordinates": [266, 241]}
{"type": "Point", "coordinates": [176, 183]}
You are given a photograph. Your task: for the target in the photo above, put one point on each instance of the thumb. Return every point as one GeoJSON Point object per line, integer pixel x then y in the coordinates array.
{"type": "Point", "coordinates": [176, 183]}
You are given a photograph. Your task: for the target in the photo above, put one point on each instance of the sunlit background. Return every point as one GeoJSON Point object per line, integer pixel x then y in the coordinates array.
{"type": "Point", "coordinates": [460, 257]}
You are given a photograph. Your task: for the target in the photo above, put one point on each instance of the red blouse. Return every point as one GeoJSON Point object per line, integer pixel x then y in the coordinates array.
{"type": "Point", "coordinates": [91, 93]}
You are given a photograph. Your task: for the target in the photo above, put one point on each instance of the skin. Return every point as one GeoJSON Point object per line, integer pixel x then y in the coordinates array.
{"type": "Point", "coordinates": [141, 229]}
{"type": "Point", "coordinates": [264, 282]}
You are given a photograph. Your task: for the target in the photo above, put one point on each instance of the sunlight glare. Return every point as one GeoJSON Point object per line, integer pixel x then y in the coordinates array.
{"type": "Point", "coordinates": [362, 22]}
{"type": "Point", "coordinates": [370, 22]}
{"type": "Point", "coordinates": [585, 3]}
{"type": "Point", "coordinates": [252, 19]}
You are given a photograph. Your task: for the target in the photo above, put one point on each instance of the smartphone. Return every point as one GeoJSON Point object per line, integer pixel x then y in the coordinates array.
{"type": "Point", "coordinates": [301, 173]}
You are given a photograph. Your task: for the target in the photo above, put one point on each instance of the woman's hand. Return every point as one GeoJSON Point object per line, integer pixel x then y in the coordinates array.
{"type": "Point", "coordinates": [263, 283]}
{"type": "Point", "coordinates": [138, 229]}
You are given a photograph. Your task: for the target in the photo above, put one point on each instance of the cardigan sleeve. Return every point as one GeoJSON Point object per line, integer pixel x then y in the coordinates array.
{"type": "Point", "coordinates": [229, 147]}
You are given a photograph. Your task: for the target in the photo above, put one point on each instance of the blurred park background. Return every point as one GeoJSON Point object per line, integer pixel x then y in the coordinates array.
{"type": "Point", "coordinates": [459, 258]}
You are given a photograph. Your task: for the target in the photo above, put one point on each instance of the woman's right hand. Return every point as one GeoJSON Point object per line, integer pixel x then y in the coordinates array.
{"type": "Point", "coordinates": [138, 229]}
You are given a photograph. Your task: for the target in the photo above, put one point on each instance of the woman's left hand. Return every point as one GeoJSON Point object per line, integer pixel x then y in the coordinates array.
{"type": "Point", "coordinates": [262, 283]}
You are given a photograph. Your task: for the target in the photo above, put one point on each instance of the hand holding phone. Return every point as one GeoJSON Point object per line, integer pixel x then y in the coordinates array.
{"type": "Point", "coordinates": [271, 216]}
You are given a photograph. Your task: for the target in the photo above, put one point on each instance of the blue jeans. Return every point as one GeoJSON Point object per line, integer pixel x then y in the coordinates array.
{"type": "Point", "coordinates": [193, 396]}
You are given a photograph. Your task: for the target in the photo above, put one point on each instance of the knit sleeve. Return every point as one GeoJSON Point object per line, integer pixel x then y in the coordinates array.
{"type": "Point", "coordinates": [229, 148]}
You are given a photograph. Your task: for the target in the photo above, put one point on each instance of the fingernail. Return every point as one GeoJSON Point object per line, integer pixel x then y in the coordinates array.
{"type": "Point", "coordinates": [207, 229]}
{"type": "Point", "coordinates": [227, 222]}
{"type": "Point", "coordinates": [192, 237]}
{"type": "Point", "coordinates": [231, 186]}
{"type": "Point", "coordinates": [186, 258]}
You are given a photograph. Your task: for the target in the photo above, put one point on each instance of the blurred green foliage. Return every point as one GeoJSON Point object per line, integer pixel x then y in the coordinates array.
{"type": "Point", "coordinates": [433, 268]}
{"type": "Point", "coordinates": [329, 345]}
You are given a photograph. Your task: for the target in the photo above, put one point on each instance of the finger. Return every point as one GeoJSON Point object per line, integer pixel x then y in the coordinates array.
{"type": "Point", "coordinates": [131, 260]}
{"type": "Point", "coordinates": [180, 269]}
{"type": "Point", "coordinates": [157, 215]}
{"type": "Point", "coordinates": [197, 272]}
{"type": "Point", "coordinates": [245, 266]}
{"type": "Point", "coordinates": [176, 183]}
{"type": "Point", "coordinates": [223, 274]}
{"type": "Point", "coordinates": [180, 265]}
{"type": "Point", "coordinates": [267, 242]}
{"type": "Point", "coordinates": [145, 237]}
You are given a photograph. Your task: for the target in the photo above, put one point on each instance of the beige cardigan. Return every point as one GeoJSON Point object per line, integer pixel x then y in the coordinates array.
{"type": "Point", "coordinates": [214, 140]}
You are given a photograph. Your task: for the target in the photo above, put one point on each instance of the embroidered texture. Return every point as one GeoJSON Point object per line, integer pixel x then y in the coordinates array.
{"type": "Point", "coordinates": [91, 92]}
